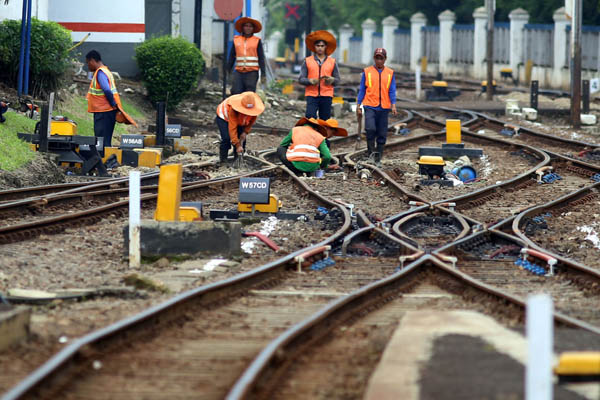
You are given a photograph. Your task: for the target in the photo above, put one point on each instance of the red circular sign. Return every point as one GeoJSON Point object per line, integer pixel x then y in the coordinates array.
{"type": "Point", "coordinates": [229, 9]}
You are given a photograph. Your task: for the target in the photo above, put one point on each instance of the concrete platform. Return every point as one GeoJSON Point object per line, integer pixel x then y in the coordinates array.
{"type": "Point", "coordinates": [397, 375]}
{"type": "Point", "coordinates": [14, 324]}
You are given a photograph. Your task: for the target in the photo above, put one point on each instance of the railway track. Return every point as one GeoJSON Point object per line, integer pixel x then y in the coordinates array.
{"type": "Point", "coordinates": [266, 332]}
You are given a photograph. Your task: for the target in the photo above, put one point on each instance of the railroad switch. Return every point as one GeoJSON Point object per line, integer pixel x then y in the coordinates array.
{"type": "Point", "coordinates": [484, 87]}
{"type": "Point", "coordinates": [509, 130]}
{"type": "Point", "coordinates": [453, 148]}
{"type": "Point", "coordinates": [439, 92]}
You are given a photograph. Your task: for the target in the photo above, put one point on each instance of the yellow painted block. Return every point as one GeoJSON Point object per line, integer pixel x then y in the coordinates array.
{"type": "Point", "coordinates": [296, 45]}
{"type": "Point", "coordinates": [288, 89]}
{"type": "Point", "coordinates": [506, 69]}
{"type": "Point", "coordinates": [169, 193]}
{"type": "Point", "coordinates": [182, 144]}
{"type": "Point", "coordinates": [273, 206]}
{"type": "Point", "coordinates": [578, 363]}
{"type": "Point", "coordinates": [345, 55]}
{"type": "Point", "coordinates": [148, 157]}
{"type": "Point", "coordinates": [33, 147]}
{"type": "Point", "coordinates": [287, 53]}
{"type": "Point", "coordinates": [109, 151]}
{"type": "Point", "coordinates": [189, 214]}
{"type": "Point", "coordinates": [423, 64]}
{"type": "Point", "coordinates": [431, 160]}
{"type": "Point", "coordinates": [338, 100]}
{"type": "Point", "coordinates": [149, 140]}
{"type": "Point", "coordinates": [484, 83]}
{"type": "Point", "coordinates": [67, 128]}
{"type": "Point", "coordinates": [440, 84]}
{"type": "Point", "coordinates": [453, 131]}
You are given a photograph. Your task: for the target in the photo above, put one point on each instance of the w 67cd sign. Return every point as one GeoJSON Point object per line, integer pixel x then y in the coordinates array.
{"type": "Point", "coordinates": [228, 10]}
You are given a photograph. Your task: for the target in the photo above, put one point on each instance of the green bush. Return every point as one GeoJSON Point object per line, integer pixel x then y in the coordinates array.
{"type": "Point", "coordinates": [49, 55]}
{"type": "Point", "coordinates": [170, 68]}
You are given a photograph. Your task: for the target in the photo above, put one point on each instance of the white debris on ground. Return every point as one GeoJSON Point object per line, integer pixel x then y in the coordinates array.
{"type": "Point", "coordinates": [592, 235]}
{"type": "Point", "coordinates": [268, 226]}
{"type": "Point", "coordinates": [487, 167]}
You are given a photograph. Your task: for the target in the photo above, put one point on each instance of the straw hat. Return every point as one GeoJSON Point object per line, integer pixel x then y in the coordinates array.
{"type": "Point", "coordinates": [314, 123]}
{"type": "Point", "coordinates": [239, 24]}
{"type": "Point", "coordinates": [247, 103]}
{"type": "Point", "coordinates": [325, 36]}
{"type": "Point", "coordinates": [333, 123]}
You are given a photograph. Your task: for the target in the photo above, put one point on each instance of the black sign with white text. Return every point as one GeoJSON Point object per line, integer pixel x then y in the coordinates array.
{"type": "Point", "coordinates": [132, 141]}
{"type": "Point", "coordinates": [255, 190]}
{"type": "Point", "coordinates": [173, 131]}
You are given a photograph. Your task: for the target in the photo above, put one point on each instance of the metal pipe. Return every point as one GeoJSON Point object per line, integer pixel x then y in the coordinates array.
{"type": "Point", "coordinates": [22, 53]}
{"type": "Point", "coordinates": [490, 5]}
{"type": "Point", "coordinates": [225, 40]}
{"type": "Point", "coordinates": [27, 50]}
{"type": "Point", "coordinates": [308, 22]}
{"type": "Point", "coordinates": [576, 66]}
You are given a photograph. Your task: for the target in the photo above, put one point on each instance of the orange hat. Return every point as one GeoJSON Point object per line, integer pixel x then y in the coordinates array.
{"type": "Point", "coordinates": [239, 24]}
{"type": "Point", "coordinates": [314, 123]}
{"type": "Point", "coordinates": [247, 103]}
{"type": "Point", "coordinates": [325, 36]}
{"type": "Point", "coordinates": [333, 123]}
{"type": "Point", "coordinates": [124, 118]}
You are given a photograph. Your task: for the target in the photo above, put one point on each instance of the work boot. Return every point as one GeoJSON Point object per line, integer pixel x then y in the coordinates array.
{"type": "Point", "coordinates": [371, 150]}
{"type": "Point", "coordinates": [379, 154]}
{"type": "Point", "coordinates": [223, 155]}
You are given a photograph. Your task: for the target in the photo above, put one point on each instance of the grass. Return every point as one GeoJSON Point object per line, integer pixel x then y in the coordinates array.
{"type": "Point", "coordinates": [14, 152]}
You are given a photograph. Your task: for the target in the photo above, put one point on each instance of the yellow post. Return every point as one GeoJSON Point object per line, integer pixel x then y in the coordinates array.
{"type": "Point", "coordinates": [453, 131]}
{"type": "Point", "coordinates": [345, 56]}
{"type": "Point", "coordinates": [528, 70]}
{"type": "Point", "coordinates": [287, 53]}
{"type": "Point", "coordinates": [169, 193]}
{"type": "Point", "coordinates": [423, 64]}
{"type": "Point", "coordinates": [296, 45]}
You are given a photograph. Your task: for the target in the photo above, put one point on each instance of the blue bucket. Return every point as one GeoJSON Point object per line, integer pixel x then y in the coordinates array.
{"type": "Point", "coordinates": [465, 173]}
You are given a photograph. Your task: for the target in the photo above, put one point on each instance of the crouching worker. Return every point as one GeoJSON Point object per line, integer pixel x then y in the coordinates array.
{"type": "Point", "coordinates": [235, 117]}
{"type": "Point", "coordinates": [304, 149]}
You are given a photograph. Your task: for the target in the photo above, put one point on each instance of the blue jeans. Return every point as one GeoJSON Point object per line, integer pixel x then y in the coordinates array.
{"type": "Point", "coordinates": [322, 104]}
{"type": "Point", "coordinates": [376, 124]}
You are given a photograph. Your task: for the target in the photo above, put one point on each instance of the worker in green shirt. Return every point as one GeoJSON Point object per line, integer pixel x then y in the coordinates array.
{"type": "Point", "coordinates": [304, 149]}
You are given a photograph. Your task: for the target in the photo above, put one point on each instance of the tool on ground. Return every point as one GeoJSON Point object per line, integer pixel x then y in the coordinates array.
{"type": "Point", "coordinates": [359, 118]}
{"type": "Point", "coordinates": [263, 238]}
{"type": "Point", "coordinates": [239, 162]}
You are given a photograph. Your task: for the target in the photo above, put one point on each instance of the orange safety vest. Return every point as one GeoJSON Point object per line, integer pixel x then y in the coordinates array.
{"type": "Point", "coordinates": [246, 53]}
{"type": "Point", "coordinates": [316, 71]}
{"type": "Point", "coordinates": [305, 145]}
{"type": "Point", "coordinates": [97, 101]}
{"type": "Point", "coordinates": [378, 87]}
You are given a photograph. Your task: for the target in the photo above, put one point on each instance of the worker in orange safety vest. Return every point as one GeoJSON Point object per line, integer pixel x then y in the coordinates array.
{"type": "Point", "coordinates": [319, 73]}
{"type": "Point", "coordinates": [377, 93]}
{"type": "Point", "coordinates": [305, 149]}
{"type": "Point", "coordinates": [102, 97]}
{"type": "Point", "coordinates": [235, 117]}
{"type": "Point", "coordinates": [248, 56]}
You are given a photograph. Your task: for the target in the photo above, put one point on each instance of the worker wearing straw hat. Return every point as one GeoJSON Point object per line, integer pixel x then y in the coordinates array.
{"type": "Point", "coordinates": [319, 73]}
{"type": "Point", "coordinates": [248, 55]}
{"type": "Point", "coordinates": [305, 150]}
{"type": "Point", "coordinates": [235, 117]}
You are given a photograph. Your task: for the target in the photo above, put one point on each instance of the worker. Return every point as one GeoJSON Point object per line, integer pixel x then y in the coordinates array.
{"type": "Point", "coordinates": [319, 73]}
{"type": "Point", "coordinates": [305, 150]}
{"type": "Point", "coordinates": [235, 117]}
{"type": "Point", "coordinates": [377, 94]}
{"type": "Point", "coordinates": [102, 97]}
{"type": "Point", "coordinates": [248, 55]}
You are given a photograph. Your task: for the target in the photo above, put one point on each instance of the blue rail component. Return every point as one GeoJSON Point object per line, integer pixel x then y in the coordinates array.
{"type": "Point", "coordinates": [551, 177]}
{"type": "Point", "coordinates": [541, 218]}
{"type": "Point", "coordinates": [531, 267]}
{"type": "Point", "coordinates": [596, 178]}
{"type": "Point", "coordinates": [404, 131]}
{"type": "Point", "coordinates": [322, 210]}
{"type": "Point", "coordinates": [322, 264]}
{"type": "Point", "coordinates": [507, 132]}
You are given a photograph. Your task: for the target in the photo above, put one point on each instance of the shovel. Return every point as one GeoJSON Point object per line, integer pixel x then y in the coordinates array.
{"type": "Point", "coordinates": [359, 118]}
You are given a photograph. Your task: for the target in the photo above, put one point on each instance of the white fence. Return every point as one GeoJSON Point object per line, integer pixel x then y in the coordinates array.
{"type": "Point", "coordinates": [462, 44]}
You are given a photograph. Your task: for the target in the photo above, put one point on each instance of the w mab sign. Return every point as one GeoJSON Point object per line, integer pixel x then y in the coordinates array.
{"type": "Point", "coordinates": [229, 10]}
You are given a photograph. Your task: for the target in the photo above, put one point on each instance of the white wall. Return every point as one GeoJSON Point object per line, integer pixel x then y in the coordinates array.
{"type": "Point", "coordinates": [123, 24]}
{"type": "Point", "coordinates": [14, 10]}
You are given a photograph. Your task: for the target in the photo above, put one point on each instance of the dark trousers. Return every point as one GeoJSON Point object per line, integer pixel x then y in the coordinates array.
{"type": "Point", "coordinates": [104, 125]}
{"type": "Point", "coordinates": [320, 104]}
{"type": "Point", "coordinates": [281, 153]}
{"type": "Point", "coordinates": [376, 124]}
{"type": "Point", "coordinates": [244, 82]}
{"type": "Point", "coordinates": [225, 139]}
